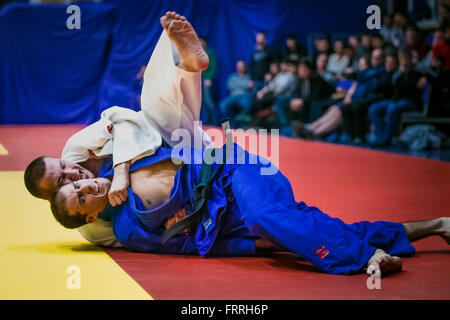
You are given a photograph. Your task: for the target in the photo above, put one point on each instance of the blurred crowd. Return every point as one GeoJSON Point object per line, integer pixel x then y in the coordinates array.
{"type": "Point", "coordinates": [351, 90]}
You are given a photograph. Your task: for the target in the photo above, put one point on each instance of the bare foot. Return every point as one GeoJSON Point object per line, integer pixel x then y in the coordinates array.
{"type": "Point", "coordinates": [445, 229]}
{"type": "Point", "coordinates": [383, 263]}
{"type": "Point", "coordinates": [181, 32]}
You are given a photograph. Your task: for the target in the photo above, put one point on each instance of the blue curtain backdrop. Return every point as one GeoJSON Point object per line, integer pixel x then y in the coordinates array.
{"type": "Point", "coordinates": [49, 74]}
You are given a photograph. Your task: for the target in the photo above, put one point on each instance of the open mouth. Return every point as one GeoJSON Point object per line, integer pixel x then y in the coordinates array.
{"type": "Point", "coordinates": [97, 186]}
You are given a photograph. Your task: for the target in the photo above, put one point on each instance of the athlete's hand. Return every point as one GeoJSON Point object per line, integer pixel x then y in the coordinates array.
{"type": "Point", "coordinates": [118, 192]}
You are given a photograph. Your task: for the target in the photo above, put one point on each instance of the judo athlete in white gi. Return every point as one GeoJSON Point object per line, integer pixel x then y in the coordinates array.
{"type": "Point", "coordinates": [170, 99]}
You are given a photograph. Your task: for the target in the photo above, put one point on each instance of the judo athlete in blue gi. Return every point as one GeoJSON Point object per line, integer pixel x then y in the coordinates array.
{"type": "Point", "coordinates": [245, 210]}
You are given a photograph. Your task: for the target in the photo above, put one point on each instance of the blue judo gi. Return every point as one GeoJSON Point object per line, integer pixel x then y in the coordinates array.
{"type": "Point", "coordinates": [243, 205]}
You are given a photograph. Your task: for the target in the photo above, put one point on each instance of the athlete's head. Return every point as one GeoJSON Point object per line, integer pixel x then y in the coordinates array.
{"type": "Point", "coordinates": [80, 202]}
{"type": "Point", "coordinates": [45, 175]}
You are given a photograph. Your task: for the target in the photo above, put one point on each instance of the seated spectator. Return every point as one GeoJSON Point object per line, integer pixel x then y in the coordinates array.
{"type": "Point", "coordinates": [352, 68]}
{"type": "Point", "coordinates": [441, 50]}
{"type": "Point", "coordinates": [293, 51]}
{"type": "Point", "coordinates": [274, 69]}
{"type": "Point", "coordinates": [309, 87]}
{"type": "Point", "coordinates": [425, 65]}
{"type": "Point", "coordinates": [321, 68]}
{"type": "Point", "coordinates": [209, 113]}
{"type": "Point", "coordinates": [444, 13]}
{"type": "Point", "coordinates": [240, 97]}
{"type": "Point", "coordinates": [407, 96]}
{"type": "Point", "coordinates": [338, 61]}
{"type": "Point", "coordinates": [366, 45]}
{"type": "Point", "coordinates": [260, 61]}
{"type": "Point", "coordinates": [371, 85]}
{"type": "Point", "coordinates": [415, 43]}
{"type": "Point", "coordinates": [387, 27]}
{"type": "Point", "coordinates": [322, 45]}
{"type": "Point", "coordinates": [440, 63]}
{"type": "Point", "coordinates": [281, 86]}
{"type": "Point", "coordinates": [398, 36]}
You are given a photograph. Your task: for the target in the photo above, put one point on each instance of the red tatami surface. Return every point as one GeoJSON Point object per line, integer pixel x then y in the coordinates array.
{"type": "Point", "coordinates": [350, 183]}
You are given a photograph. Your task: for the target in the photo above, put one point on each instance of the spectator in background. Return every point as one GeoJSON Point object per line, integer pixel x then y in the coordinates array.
{"type": "Point", "coordinates": [321, 68]}
{"type": "Point", "coordinates": [372, 85]}
{"type": "Point", "coordinates": [366, 45]}
{"type": "Point", "coordinates": [441, 50]}
{"type": "Point", "coordinates": [407, 96]}
{"type": "Point", "coordinates": [309, 86]}
{"type": "Point", "coordinates": [398, 36]}
{"type": "Point", "coordinates": [260, 61]}
{"type": "Point", "coordinates": [444, 13]}
{"type": "Point", "coordinates": [293, 51]}
{"type": "Point", "coordinates": [322, 45]}
{"type": "Point", "coordinates": [386, 30]}
{"type": "Point", "coordinates": [274, 69]}
{"type": "Point", "coordinates": [415, 43]}
{"type": "Point", "coordinates": [281, 86]}
{"type": "Point", "coordinates": [338, 61]}
{"type": "Point", "coordinates": [239, 100]}
{"type": "Point", "coordinates": [209, 113]}
{"type": "Point", "coordinates": [440, 80]}
{"type": "Point", "coordinates": [377, 41]}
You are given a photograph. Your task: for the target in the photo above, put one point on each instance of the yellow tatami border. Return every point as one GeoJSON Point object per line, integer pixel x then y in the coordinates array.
{"type": "Point", "coordinates": [41, 260]}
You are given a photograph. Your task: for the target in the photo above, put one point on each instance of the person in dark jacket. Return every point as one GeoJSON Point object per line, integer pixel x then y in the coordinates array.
{"type": "Point", "coordinates": [309, 87]}
{"type": "Point", "coordinates": [260, 61]}
{"type": "Point", "coordinates": [372, 85]}
{"type": "Point", "coordinates": [407, 96]}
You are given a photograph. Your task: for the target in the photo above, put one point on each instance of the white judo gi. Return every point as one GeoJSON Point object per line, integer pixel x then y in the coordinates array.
{"type": "Point", "coordinates": [170, 99]}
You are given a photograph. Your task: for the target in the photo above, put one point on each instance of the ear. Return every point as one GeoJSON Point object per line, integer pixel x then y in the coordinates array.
{"type": "Point", "coordinates": [91, 218]}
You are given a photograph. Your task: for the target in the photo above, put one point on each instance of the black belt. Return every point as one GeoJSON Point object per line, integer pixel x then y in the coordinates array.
{"type": "Point", "coordinates": [198, 201]}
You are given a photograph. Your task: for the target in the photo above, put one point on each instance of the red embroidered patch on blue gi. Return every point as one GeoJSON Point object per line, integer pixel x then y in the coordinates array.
{"type": "Point", "coordinates": [322, 252]}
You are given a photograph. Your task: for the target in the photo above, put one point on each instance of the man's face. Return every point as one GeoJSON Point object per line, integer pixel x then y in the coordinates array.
{"type": "Point", "coordinates": [339, 47]}
{"type": "Point", "coordinates": [60, 172]}
{"type": "Point", "coordinates": [87, 197]}
{"type": "Point", "coordinates": [353, 41]}
{"type": "Point", "coordinates": [291, 43]}
{"type": "Point", "coordinates": [365, 41]}
{"type": "Point", "coordinates": [303, 71]}
{"type": "Point", "coordinates": [240, 67]}
{"type": "Point", "coordinates": [261, 39]}
{"type": "Point", "coordinates": [376, 59]}
{"type": "Point", "coordinates": [404, 61]}
{"type": "Point", "coordinates": [390, 64]}
{"type": "Point", "coordinates": [322, 61]}
{"type": "Point", "coordinates": [447, 34]}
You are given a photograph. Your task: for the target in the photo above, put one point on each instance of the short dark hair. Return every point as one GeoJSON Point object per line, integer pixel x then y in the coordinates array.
{"type": "Point", "coordinates": [61, 214]}
{"type": "Point", "coordinates": [377, 35]}
{"type": "Point", "coordinates": [32, 177]}
{"type": "Point", "coordinates": [306, 63]}
{"type": "Point", "coordinates": [406, 52]}
{"type": "Point", "coordinates": [291, 36]}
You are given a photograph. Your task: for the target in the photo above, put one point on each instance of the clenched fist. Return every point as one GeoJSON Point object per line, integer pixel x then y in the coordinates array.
{"type": "Point", "coordinates": [118, 192]}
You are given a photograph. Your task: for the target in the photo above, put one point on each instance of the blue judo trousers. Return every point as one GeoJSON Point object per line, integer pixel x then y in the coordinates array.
{"type": "Point", "coordinates": [242, 205]}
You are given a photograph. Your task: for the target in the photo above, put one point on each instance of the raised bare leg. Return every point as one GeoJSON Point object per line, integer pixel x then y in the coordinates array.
{"type": "Point", "coordinates": [417, 230]}
{"type": "Point", "coordinates": [180, 31]}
